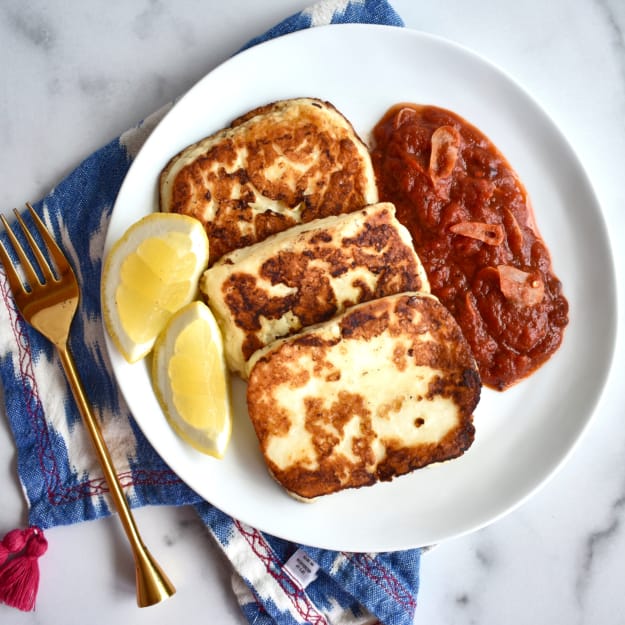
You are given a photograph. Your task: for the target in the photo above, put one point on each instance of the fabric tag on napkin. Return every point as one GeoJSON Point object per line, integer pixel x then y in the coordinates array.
{"type": "Point", "coordinates": [57, 469]}
{"type": "Point", "coordinates": [302, 568]}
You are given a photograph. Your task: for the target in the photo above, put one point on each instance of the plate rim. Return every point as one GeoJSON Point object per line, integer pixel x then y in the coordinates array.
{"type": "Point", "coordinates": [571, 153]}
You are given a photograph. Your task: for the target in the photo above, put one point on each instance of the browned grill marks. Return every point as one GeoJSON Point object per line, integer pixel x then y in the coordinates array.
{"type": "Point", "coordinates": [348, 445]}
{"type": "Point", "coordinates": [285, 163]}
{"type": "Point", "coordinates": [310, 274]}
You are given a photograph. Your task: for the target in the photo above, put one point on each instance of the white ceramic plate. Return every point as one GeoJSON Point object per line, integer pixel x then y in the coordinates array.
{"type": "Point", "coordinates": [524, 434]}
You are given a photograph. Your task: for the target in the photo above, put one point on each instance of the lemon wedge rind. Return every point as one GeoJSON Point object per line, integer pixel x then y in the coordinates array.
{"type": "Point", "coordinates": [148, 274]}
{"type": "Point", "coordinates": [190, 379]}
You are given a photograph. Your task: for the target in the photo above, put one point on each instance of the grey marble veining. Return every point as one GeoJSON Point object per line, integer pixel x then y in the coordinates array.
{"type": "Point", "coordinates": [32, 27]}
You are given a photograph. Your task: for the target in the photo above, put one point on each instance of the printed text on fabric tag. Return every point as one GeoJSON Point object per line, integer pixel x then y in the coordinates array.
{"type": "Point", "coordinates": [301, 568]}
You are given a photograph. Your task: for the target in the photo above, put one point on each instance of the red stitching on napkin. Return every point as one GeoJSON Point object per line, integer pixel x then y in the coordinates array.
{"type": "Point", "coordinates": [29, 391]}
{"type": "Point", "coordinates": [57, 493]}
{"type": "Point", "coordinates": [98, 485]}
{"type": "Point", "coordinates": [382, 577]}
{"type": "Point", "coordinates": [296, 594]}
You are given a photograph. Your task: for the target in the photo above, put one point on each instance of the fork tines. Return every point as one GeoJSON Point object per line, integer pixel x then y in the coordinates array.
{"type": "Point", "coordinates": [32, 279]}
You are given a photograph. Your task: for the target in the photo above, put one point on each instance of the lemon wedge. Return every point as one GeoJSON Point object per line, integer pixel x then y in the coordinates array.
{"type": "Point", "coordinates": [150, 273]}
{"type": "Point", "coordinates": [190, 379]}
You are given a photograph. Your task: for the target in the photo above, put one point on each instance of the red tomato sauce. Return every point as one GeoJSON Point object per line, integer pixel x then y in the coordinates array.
{"type": "Point", "coordinates": [472, 225]}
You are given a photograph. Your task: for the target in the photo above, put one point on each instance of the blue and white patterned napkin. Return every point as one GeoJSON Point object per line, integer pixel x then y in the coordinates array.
{"type": "Point", "coordinates": [58, 471]}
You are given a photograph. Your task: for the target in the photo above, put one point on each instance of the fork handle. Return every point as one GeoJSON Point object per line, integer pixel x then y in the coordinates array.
{"type": "Point", "coordinates": [153, 585]}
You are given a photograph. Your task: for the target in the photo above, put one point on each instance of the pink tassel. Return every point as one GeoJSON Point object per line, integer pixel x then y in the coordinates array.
{"type": "Point", "coordinates": [19, 569]}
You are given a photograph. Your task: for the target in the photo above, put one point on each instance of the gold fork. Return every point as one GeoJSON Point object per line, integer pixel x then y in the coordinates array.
{"type": "Point", "coordinates": [49, 307]}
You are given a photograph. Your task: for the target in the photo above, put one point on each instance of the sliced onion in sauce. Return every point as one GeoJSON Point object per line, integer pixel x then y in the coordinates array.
{"type": "Point", "coordinates": [404, 115]}
{"type": "Point", "coordinates": [493, 234]}
{"type": "Point", "coordinates": [520, 287]}
{"type": "Point", "coordinates": [445, 147]}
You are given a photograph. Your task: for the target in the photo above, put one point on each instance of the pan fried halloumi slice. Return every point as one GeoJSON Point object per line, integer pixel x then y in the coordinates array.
{"type": "Point", "coordinates": [307, 274]}
{"type": "Point", "coordinates": [282, 164]}
{"type": "Point", "coordinates": [386, 388]}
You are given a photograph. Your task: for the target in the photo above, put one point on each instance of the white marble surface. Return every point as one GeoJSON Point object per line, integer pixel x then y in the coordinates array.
{"type": "Point", "coordinates": [76, 74]}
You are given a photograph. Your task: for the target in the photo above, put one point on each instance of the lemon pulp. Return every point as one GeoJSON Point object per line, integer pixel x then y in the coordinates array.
{"type": "Point", "coordinates": [150, 273]}
{"type": "Point", "coordinates": [153, 281]}
{"type": "Point", "coordinates": [198, 388]}
{"type": "Point", "coordinates": [190, 379]}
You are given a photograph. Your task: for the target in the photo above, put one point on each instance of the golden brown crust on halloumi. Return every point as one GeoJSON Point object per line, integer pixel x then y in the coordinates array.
{"type": "Point", "coordinates": [306, 275]}
{"type": "Point", "coordinates": [386, 388]}
{"type": "Point", "coordinates": [285, 163]}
